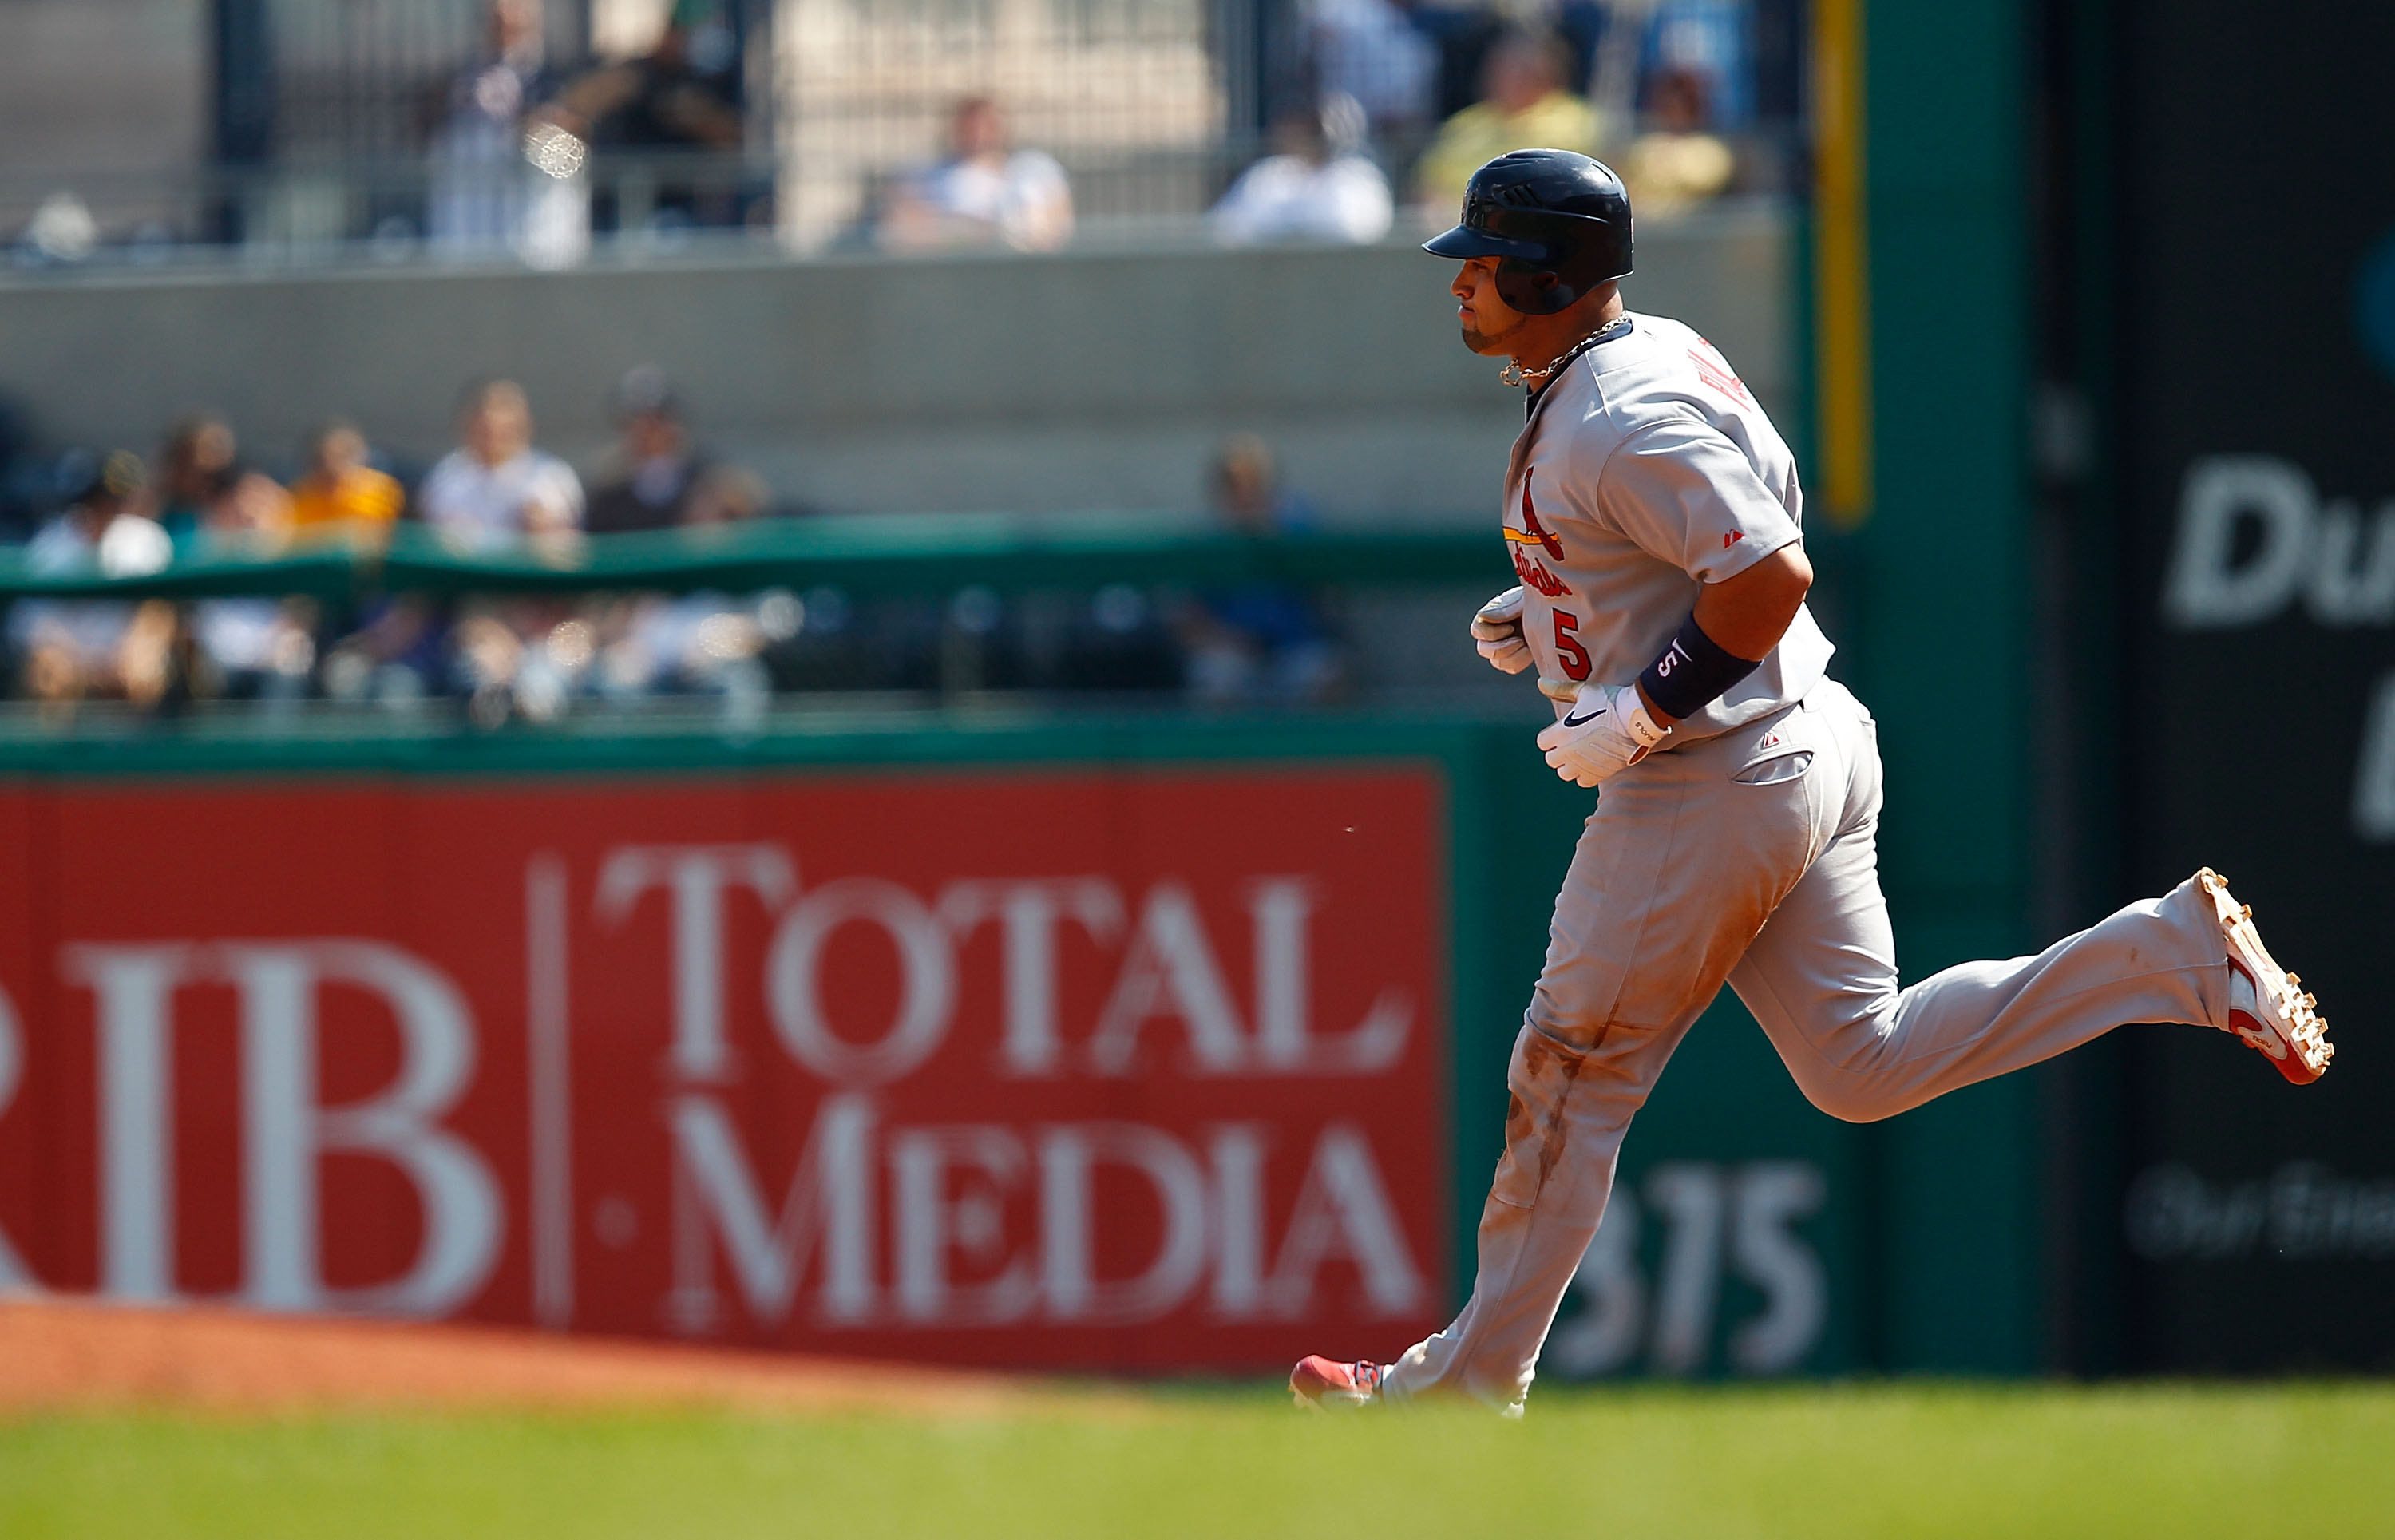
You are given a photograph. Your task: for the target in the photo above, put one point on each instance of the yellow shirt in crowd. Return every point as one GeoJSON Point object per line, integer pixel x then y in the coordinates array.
{"type": "Point", "coordinates": [362, 497]}
{"type": "Point", "coordinates": [1480, 133]}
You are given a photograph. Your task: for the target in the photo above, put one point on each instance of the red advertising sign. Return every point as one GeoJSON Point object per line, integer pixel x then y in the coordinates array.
{"type": "Point", "coordinates": [1078, 1070]}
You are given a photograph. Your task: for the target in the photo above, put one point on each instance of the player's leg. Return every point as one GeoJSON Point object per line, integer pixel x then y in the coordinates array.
{"type": "Point", "coordinates": [1667, 885]}
{"type": "Point", "coordinates": [1821, 976]}
{"type": "Point", "coordinates": [1564, 1129]}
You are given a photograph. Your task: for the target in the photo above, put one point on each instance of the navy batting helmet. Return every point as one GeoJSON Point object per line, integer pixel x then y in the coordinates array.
{"type": "Point", "coordinates": [1560, 222]}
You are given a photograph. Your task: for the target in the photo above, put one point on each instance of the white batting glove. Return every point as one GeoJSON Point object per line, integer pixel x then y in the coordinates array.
{"type": "Point", "coordinates": [1604, 729]}
{"type": "Point", "coordinates": [1497, 632]}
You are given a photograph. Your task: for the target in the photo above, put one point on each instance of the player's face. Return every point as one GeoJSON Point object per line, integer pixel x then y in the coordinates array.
{"type": "Point", "coordinates": [1489, 323]}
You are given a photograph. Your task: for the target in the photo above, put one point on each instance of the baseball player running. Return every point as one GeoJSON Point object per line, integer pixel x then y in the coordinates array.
{"type": "Point", "coordinates": [1654, 518]}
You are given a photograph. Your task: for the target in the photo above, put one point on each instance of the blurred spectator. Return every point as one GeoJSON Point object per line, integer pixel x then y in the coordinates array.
{"type": "Point", "coordinates": [1371, 50]}
{"type": "Point", "coordinates": [249, 648]}
{"type": "Point", "coordinates": [341, 496]}
{"type": "Point", "coordinates": [1317, 185]}
{"type": "Point", "coordinates": [1714, 41]}
{"type": "Point", "coordinates": [254, 649]}
{"type": "Point", "coordinates": [496, 488]}
{"type": "Point", "coordinates": [72, 648]}
{"type": "Point", "coordinates": [1462, 32]}
{"type": "Point", "coordinates": [485, 195]}
{"type": "Point", "coordinates": [1677, 163]}
{"type": "Point", "coordinates": [678, 95]}
{"type": "Point", "coordinates": [1523, 106]}
{"type": "Point", "coordinates": [683, 97]}
{"type": "Point", "coordinates": [703, 643]}
{"type": "Point", "coordinates": [1257, 640]}
{"type": "Point", "coordinates": [199, 455]}
{"type": "Point", "coordinates": [727, 494]}
{"type": "Point", "coordinates": [203, 490]}
{"type": "Point", "coordinates": [102, 526]}
{"type": "Point", "coordinates": [512, 654]}
{"type": "Point", "coordinates": [985, 193]}
{"type": "Point", "coordinates": [520, 656]}
{"type": "Point", "coordinates": [246, 509]}
{"type": "Point", "coordinates": [393, 657]}
{"type": "Point", "coordinates": [653, 475]}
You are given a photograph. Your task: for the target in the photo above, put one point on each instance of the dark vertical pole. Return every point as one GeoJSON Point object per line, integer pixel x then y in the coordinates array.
{"type": "Point", "coordinates": [245, 109]}
{"type": "Point", "coordinates": [1254, 43]}
{"type": "Point", "coordinates": [2079, 816]}
{"type": "Point", "coordinates": [244, 83]}
{"type": "Point", "coordinates": [1282, 70]}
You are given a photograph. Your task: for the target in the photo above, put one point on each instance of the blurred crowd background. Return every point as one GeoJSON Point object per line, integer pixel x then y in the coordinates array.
{"type": "Point", "coordinates": [171, 137]}
{"type": "Point", "coordinates": [464, 129]}
{"type": "Point", "coordinates": [120, 513]}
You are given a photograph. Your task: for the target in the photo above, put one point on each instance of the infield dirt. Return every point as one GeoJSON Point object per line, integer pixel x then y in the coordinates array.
{"type": "Point", "coordinates": [62, 1354]}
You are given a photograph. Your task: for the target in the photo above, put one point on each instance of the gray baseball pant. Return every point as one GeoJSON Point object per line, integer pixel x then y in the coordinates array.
{"type": "Point", "coordinates": [1752, 858]}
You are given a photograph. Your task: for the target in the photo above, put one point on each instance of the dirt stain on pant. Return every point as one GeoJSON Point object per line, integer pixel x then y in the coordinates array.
{"type": "Point", "coordinates": [1535, 1140]}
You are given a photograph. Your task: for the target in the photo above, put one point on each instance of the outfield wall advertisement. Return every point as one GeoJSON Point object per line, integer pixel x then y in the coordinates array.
{"type": "Point", "coordinates": [2258, 160]}
{"type": "Point", "coordinates": [1083, 1069]}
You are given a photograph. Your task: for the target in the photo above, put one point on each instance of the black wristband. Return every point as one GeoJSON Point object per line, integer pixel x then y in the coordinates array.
{"type": "Point", "coordinates": [1691, 674]}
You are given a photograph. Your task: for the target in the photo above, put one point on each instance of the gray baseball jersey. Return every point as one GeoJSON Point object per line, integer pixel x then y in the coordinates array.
{"type": "Point", "coordinates": [1646, 469]}
{"type": "Point", "coordinates": [1749, 857]}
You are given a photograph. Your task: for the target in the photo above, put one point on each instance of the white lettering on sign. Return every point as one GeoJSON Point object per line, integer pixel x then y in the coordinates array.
{"type": "Point", "coordinates": [286, 1133]}
{"type": "Point", "coordinates": [950, 1187]}
{"type": "Point", "coordinates": [1069, 1154]}
{"type": "Point", "coordinates": [932, 1225]}
{"type": "Point", "coordinates": [830, 1199]}
{"type": "Point", "coordinates": [1282, 909]}
{"type": "Point", "coordinates": [133, 990]}
{"type": "Point", "coordinates": [1344, 1210]}
{"type": "Point", "coordinates": [1171, 970]}
{"type": "Point", "coordinates": [1772, 1196]}
{"type": "Point", "coordinates": [1689, 1196]}
{"type": "Point", "coordinates": [14, 1274]}
{"type": "Point", "coordinates": [985, 1223]}
{"type": "Point", "coordinates": [2342, 566]}
{"type": "Point", "coordinates": [1236, 1154]}
{"type": "Point", "coordinates": [1030, 912]}
{"type": "Point", "coordinates": [698, 876]}
{"type": "Point", "coordinates": [2373, 779]}
{"type": "Point", "coordinates": [2302, 1211]}
{"type": "Point", "coordinates": [927, 996]}
{"type": "Point", "coordinates": [1744, 1216]}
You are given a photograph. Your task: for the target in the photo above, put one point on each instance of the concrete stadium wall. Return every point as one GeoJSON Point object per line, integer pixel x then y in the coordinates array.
{"type": "Point", "coordinates": [120, 86]}
{"type": "Point", "coordinates": [980, 382]}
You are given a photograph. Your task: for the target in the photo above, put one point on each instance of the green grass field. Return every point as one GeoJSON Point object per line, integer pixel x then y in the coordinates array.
{"type": "Point", "coordinates": [2316, 1461]}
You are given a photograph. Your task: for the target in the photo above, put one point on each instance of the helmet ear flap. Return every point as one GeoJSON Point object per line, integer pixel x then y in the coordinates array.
{"type": "Point", "coordinates": [1533, 290]}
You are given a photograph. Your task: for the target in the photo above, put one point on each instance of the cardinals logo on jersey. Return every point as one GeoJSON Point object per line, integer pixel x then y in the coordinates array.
{"type": "Point", "coordinates": [1534, 573]}
{"type": "Point", "coordinates": [1714, 370]}
{"type": "Point", "coordinates": [1535, 578]}
{"type": "Point", "coordinates": [1532, 532]}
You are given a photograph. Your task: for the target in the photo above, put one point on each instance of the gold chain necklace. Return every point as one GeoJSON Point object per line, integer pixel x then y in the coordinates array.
{"type": "Point", "coordinates": [1513, 374]}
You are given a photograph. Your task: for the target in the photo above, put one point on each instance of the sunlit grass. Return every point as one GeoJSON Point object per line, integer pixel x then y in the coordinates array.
{"type": "Point", "coordinates": [1895, 1459]}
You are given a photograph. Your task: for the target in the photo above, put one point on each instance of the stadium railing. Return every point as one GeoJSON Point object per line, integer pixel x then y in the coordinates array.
{"type": "Point", "coordinates": [877, 553]}
{"type": "Point", "coordinates": [732, 627]}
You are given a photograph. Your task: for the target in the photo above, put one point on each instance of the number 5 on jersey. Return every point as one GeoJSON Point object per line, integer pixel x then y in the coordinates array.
{"type": "Point", "coordinates": [1567, 646]}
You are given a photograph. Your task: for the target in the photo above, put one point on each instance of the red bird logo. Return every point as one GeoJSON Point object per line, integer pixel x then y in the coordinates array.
{"type": "Point", "coordinates": [1532, 532]}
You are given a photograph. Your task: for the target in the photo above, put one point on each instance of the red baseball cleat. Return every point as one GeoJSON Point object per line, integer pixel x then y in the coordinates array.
{"type": "Point", "coordinates": [1324, 1385]}
{"type": "Point", "coordinates": [2265, 1007]}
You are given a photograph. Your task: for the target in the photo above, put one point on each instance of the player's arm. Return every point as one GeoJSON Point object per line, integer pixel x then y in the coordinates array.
{"type": "Point", "coordinates": [1683, 494]}
{"type": "Point", "coordinates": [1686, 494]}
{"type": "Point", "coordinates": [1745, 614]}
